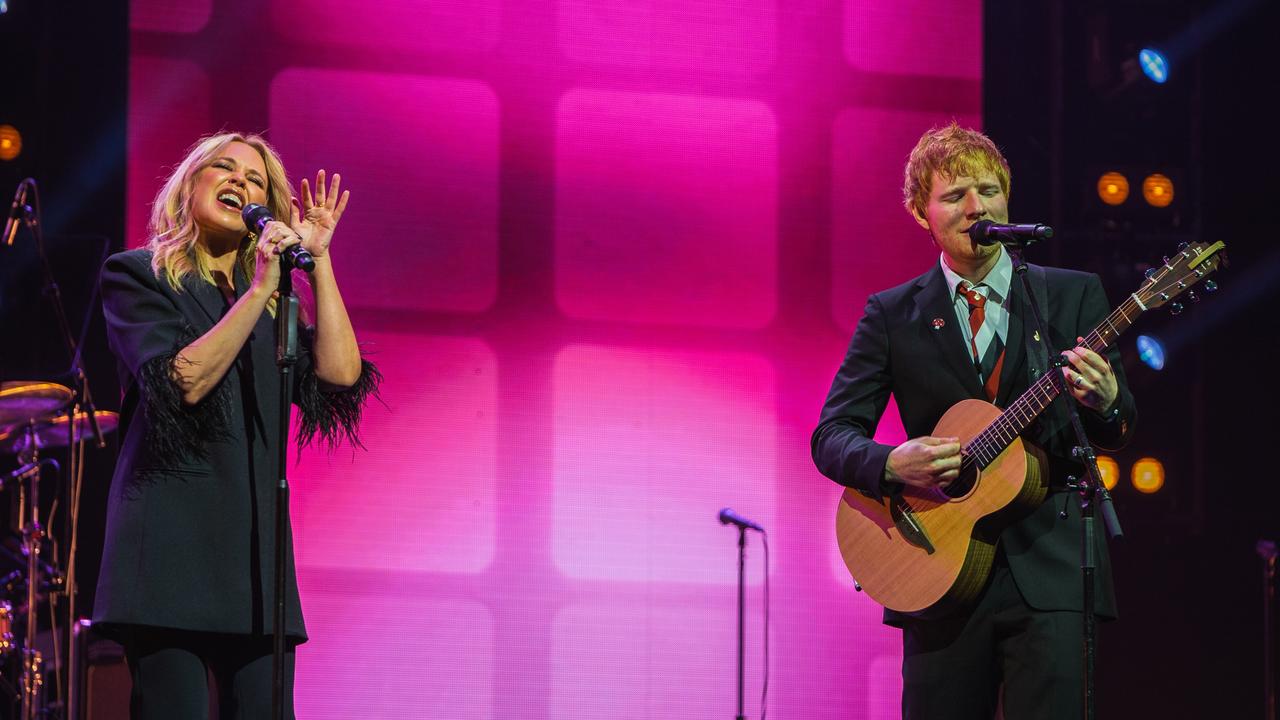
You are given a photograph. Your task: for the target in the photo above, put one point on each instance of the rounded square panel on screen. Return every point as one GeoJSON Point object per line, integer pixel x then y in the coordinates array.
{"type": "Point", "coordinates": [375, 27]}
{"type": "Point", "coordinates": [915, 37]}
{"type": "Point", "coordinates": [379, 651]}
{"type": "Point", "coordinates": [420, 497]}
{"type": "Point", "coordinates": [656, 659]}
{"type": "Point", "coordinates": [168, 111]}
{"type": "Point", "coordinates": [713, 37]}
{"type": "Point", "coordinates": [666, 209]}
{"type": "Point", "coordinates": [166, 16]}
{"type": "Point", "coordinates": [420, 157]}
{"type": "Point", "coordinates": [875, 242]}
{"type": "Point", "coordinates": [649, 445]}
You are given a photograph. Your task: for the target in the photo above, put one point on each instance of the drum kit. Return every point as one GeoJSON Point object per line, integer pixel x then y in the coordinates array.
{"type": "Point", "coordinates": [35, 416]}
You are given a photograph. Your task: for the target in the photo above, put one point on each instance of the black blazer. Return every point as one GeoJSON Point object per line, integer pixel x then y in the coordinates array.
{"type": "Point", "coordinates": [190, 535]}
{"type": "Point", "coordinates": [896, 350]}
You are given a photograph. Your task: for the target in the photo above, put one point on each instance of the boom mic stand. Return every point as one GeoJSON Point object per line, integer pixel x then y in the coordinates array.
{"type": "Point", "coordinates": [1091, 489]}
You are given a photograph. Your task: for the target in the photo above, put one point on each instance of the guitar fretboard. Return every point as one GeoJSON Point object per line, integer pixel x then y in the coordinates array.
{"type": "Point", "coordinates": [988, 444]}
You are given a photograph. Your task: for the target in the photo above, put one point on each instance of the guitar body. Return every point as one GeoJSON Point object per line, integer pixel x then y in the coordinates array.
{"type": "Point", "coordinates": [893, 567]}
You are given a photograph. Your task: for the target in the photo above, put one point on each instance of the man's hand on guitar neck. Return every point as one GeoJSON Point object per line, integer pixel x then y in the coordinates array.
{"type": "Point", "coordinates": [1089, 378]}
{"type": "Point", "coordinates": [924, 462]}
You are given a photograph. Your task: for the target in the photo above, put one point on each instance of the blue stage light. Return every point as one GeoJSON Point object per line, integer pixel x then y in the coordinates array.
{"type": "Point", "coordinates": [1151, 352]}
{"type": "Point", "coordinates": [1154, 64]}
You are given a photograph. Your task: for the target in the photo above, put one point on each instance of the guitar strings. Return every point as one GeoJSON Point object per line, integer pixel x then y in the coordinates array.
{"type": "Point", "coordinates": [987, 445]}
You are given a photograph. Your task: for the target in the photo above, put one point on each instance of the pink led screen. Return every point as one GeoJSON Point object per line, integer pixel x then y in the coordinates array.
{"type": "Point", "coordinates": [608, 255]}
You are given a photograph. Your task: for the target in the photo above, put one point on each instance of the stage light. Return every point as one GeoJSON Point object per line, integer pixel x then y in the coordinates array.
{"type": "Point", "coordinates": [1153, 64]}
{"type": "Point", "coordinates": [1151, 352]}
{"type": "Point", "coordinates": [1147, 475]}
{"type": "Point", "coordinates": [1109, 469]}
{"type": "Point", "coordinates": [1113, 188]}
{"type": "Point", "coordinates": [1157, 190]}
{"type": "Point", "coordinates": [10, 142]}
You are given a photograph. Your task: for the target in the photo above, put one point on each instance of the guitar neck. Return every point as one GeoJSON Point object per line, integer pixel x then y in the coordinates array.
{"type": "Point", "coordinates": [992, 441]}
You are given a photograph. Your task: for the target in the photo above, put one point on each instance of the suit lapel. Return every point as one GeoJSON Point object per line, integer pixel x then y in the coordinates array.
{"type": "Point", "coordinates": [933, 303]}
{"type": "Point", "coordinates": [1015, 345]}
{"type": "Point", "coordinates": [207, 302]}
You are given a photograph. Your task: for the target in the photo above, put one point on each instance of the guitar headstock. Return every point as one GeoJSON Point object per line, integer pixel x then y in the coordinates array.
{"type": "Point", "coordinates": [1180, 272]}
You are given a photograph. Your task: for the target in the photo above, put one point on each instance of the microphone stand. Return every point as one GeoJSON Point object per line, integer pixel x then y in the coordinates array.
{"type": "Point", "coordinates": [742, 559]}
{"type": "Point", "coordinates": [1092, 491]}
{"type": "Point", "coordinates": [286, 358]}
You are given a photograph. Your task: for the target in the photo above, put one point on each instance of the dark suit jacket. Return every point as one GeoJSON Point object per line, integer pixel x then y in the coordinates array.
{"type": "Point", "coordinates": [896, 350]}
{"type": "Point", "coordinates": [190, 517]}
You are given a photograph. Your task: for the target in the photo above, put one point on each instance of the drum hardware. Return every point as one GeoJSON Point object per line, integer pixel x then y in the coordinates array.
{"type": "Point", "coordinates": [6, 628]}
{"type": "Point", "coordinates": [54, 432]}
{"type": "Point", "coordinates": [23, 402]}
{"type": "Point", "coordinates": [42, 428]}
{"type": "Point", "coordinates": [17, 413]}
{"type": "Point", "coordinates": [36, 415]}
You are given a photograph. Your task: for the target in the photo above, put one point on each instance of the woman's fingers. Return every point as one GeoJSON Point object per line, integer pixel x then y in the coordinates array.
{"type": "Point", "coordinates": [321, 194]}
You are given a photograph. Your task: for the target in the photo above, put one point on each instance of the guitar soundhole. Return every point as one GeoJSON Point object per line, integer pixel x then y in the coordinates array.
{"type": "Point", "coordinates": [962, 485]}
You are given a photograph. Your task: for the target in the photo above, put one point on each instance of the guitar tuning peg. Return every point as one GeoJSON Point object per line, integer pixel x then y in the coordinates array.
{"type": "Point", "coordinates": [1183, 246]}
{"type": "Point", "coordinates": [1165, 259]}
{"type": "Point", "coordinates": [1192, 296]}
{"type": "Point", "coordinates": [1210, 286]}
{"type": "Point", "coordinates": [1150, 273]}
{"type": "Point", "coordinates": [1175, 308]}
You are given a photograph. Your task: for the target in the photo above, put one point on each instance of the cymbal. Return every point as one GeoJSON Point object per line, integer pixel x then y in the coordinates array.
{"type": "Point", "coordinates": [27, 401]}
{"type": "Point", "coordinates": [53, 433]}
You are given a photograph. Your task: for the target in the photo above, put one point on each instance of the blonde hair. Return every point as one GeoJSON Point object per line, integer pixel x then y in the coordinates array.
{"type": "Point", "coordinates": [952, 152]}
{"type": "Point", "coordinates": [175, 253]}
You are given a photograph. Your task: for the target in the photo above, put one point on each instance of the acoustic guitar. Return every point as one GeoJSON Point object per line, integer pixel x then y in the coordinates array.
{"type": "Point", "coordinates": [921, 551]}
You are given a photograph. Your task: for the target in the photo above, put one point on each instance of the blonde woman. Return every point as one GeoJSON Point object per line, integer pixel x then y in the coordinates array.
{"type": "Point", "coordinates": [186, 581]}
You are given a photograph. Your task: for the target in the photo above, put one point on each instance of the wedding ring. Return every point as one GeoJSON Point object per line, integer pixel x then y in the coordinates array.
{"type": "Point", "coordinates": [1079, 380]}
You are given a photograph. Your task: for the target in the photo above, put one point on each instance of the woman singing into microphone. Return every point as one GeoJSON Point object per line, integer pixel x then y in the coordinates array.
{"type": "Point", "coordinates": [188, 561]}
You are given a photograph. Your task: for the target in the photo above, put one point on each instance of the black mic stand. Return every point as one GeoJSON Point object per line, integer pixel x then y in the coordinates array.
{"type": "Point", "coordinates": [1091, 489]}
{"type": "Point", "coordinates": [742, 560]}
{"type": "Point", "coordinates": [286, 358]}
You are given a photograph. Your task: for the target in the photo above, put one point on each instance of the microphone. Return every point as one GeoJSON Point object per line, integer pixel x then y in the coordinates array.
{"type": "Point", "coordinates": [256, 217]}
{"type": "Point", "coordinates": [985, 232]}
{"type": "Point", "coordinates": [727, 515]}
{"type": "Point", "coordinates": [16, 211]}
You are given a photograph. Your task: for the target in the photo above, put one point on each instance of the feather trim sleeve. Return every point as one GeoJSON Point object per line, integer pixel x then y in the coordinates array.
{"type": "Point", "coordinates": [176, 430]}
{"type": "Point", "coordinates": [334, 416]}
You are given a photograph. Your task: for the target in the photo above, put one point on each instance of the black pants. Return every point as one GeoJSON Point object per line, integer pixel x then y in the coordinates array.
{"type": "Point", "coordinates": [955, 668]}
{"type": "Point", "coordinates": [171, 670]}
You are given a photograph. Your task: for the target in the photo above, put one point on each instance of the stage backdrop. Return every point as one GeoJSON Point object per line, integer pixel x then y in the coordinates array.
{"type": "Point", "coordinates": [608, 254]}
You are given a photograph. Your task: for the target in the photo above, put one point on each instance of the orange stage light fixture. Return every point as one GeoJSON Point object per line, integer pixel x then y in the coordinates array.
{"type": "Point", "coordinates": [1157, 190]}
{"type": "Point", "coordinates": [1147, 475]}
{"type": "Point", "coordinates": [1113, 188]}
{"type": "Point", "coordinates": [10, 142]}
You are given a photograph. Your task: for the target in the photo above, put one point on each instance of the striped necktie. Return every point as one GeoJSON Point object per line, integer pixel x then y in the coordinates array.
{"type": "Point", "coordinates": [985, 345]}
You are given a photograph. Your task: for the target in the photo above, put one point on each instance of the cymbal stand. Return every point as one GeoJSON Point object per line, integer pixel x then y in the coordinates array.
{"type": "Point", "coordinates": [28, 479]}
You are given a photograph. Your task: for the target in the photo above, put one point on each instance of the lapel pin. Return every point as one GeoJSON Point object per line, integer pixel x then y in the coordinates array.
{"type": "Point", "coordinates": [938, 323]}
{"type": "Point", "coordinates": [1036, 335]}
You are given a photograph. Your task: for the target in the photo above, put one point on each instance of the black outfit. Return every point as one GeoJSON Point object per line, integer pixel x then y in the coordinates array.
{"type": "Point", "coordinates": [1023, 623]}
{"type": "Point", "coordinates": [189, 539]}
